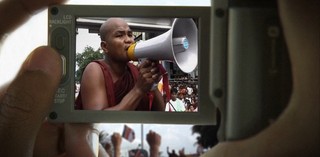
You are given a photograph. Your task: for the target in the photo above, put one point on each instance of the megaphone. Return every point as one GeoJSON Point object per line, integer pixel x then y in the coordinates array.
{"type": "Point", "coordinates": [179, 44]}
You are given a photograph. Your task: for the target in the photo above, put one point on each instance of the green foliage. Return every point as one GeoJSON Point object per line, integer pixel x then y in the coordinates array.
{"type": "Point", "coordinates": [208, 134]}
{"type": "Point", "coordinates": [84, 58]}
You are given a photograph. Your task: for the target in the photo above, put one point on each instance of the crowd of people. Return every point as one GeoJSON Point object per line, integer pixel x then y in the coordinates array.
{"type": "Point", "coordinates": [111, 145]}
{"type": "Point", "coordinates": [183, 97]}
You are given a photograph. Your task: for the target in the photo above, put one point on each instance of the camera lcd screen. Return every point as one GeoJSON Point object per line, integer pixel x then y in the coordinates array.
{"type": "Point", "coordinates": [74, 32]}
{"type": "Point", "coordinates": [183, 86]}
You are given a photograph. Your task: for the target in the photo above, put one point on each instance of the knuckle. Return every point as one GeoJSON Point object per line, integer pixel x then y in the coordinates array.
{"type": "Point", "coordinates": [15, 109]}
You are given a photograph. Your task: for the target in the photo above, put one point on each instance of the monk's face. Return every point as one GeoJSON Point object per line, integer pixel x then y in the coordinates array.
{"type": "Point", "coordinates": [118, 39]}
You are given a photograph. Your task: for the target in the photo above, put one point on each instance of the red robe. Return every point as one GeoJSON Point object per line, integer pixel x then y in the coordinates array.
{"type": "Point", "coordinates": [116, 91]}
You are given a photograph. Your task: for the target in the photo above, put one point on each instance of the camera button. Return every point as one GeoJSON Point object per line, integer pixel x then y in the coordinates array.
{"type": "Point", "coordinates": [60, 41]}
{"type": "Point", "coordinates": [64, 66]}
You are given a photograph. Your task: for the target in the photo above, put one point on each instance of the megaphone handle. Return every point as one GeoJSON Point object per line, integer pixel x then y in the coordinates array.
{"type": "Point", "coordinates": [165, 86]}
{"type": "Point", "coordinates": [151, 96]}
{"type": "Point", "coordinates": [154, 86]}
{"type": "Point", "coordinates": [165, 81]}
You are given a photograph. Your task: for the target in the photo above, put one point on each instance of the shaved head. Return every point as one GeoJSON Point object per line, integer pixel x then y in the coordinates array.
{"type": "Point", "coordinates": [108, 26]}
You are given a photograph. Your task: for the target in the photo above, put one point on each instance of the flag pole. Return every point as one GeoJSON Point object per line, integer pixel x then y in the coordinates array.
{"type": "Point", "coordinates": [142, 136]}
{"type": "Point", "coordinates": [142, 146]}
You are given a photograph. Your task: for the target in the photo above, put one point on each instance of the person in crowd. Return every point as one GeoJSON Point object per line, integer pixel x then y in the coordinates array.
{"type": "Point", "coordinates": [172, 153]}
{"type": "Point", "coordinates": [189, 89]}
{"type": "Point", "coordinates": [183, 89]}
{"type": "Point", "coordinates": [194, 103]}
{"type": "Point", "coordinates": [112, 144]}
{"type": "Point", "coordinates": [114, 83]}
{"type": "Point", "coordinates": [106, 143]}
{"type": "Point", "coordinates": [191, 107]}
{"type": "Point", "coordinates": [116, 140]}
{"type": "Point", "coordinates": [175, 104]}
{"type": "Point", "coordinates": [182, 97]}
{"type": "Point", "coordinates": [26, 100]}
{"type": "Point", "coordinates": [154, 141]}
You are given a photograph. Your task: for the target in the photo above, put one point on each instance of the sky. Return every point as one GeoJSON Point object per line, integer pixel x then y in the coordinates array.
{"type": "Point", "coordinates": [18, 44]}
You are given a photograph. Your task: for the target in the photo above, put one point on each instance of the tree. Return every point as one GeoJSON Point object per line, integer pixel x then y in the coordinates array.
{"type": "Point", "coordinates": [84, 58]}
{"type": "Point", "coordinates": [208, 133]}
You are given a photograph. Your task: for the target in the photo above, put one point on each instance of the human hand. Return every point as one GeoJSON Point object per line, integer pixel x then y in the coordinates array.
{"type": "Point", "coordinates": [181, 153]}
{"type": "Point", "coordinates": [153, 139]}
{"type": "Point", "coordinates": [25, 102]}
{"type": "Point", "coordinates": [149, 75]}
{"type": "Point", "coordinates": [116, 139]}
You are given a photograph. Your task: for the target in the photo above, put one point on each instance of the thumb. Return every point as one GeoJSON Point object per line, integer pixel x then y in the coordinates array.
{"type": "Point", "coordinates": [26, 101]}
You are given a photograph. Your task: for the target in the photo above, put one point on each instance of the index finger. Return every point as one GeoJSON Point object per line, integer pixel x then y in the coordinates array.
{"type": "Point", "coordinates": [27, 100]}
{"type": "Point", "coordinates": [145, 63]}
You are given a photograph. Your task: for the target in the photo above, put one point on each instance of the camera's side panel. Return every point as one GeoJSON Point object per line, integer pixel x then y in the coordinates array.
{"type": "Point", "coordinates": [61, 34]}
